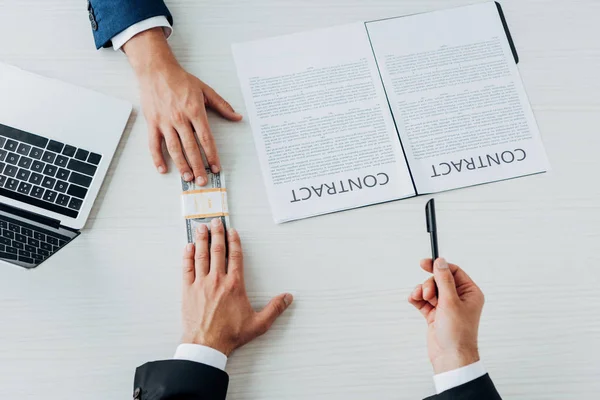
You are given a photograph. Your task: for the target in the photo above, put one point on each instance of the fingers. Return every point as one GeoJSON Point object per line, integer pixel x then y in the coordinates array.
{"type": "Point", "coordinates": [417, 293]}
{"type": "Point", "coordinates": [276, 307]}
{"type": "Point", "coordinates": [217, 103]}
{"type": "Point", "coordinates": [189, 272]}
{"type": "Point", "coordinates": [192, 152]}
{"type": "Point", "coordinates": [416, 299]}
{"type": "Point", "coordinates": [430, 291]}
{"type": "Point", "coordinates": [207, 141]}
{"type": "Point", "coordinates": [235, 258]}
{"type": "Point", "coordinates": [423, 306]}
{"type": "Point", "coordinates": [444, 280]}
{"type": "Point", "coordinates": [176, 152]}
{"type": "Point", "coordinates": [218, 264]}
{"type": "Point", "coordinates": [202, 255]}
{"type": "Point", "coordinates": [460, 276]}
{"type": "Point", "coordinates": [155, 139]}
{"type": "Point", "coordinates": [426, 265]}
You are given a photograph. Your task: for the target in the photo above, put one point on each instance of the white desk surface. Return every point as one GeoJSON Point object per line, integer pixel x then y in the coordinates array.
{"type": "Point", "coordinates": [78, 326]}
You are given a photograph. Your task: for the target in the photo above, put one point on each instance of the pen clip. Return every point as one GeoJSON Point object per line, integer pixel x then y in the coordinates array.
{"type": "Point", "coordinates": [430, 216]}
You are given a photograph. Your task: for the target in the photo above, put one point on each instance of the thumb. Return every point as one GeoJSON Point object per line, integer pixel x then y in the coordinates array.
{"type": "Point", "coordinates": [220, 105]}
{"type": "Point", "coordinates": [276, 307]}
{"type": "Point", "coordinates": [444, 280]}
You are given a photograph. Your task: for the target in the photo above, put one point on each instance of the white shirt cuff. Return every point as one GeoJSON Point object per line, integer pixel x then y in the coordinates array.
{"type": "Point", "coordinates": [201, 354]}
{"type": "Point", "coordinates": [161, 21]}
{"type": "Point", "coordinates": [451, 379]}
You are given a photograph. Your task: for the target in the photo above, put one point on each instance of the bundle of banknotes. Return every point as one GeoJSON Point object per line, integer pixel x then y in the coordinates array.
{"type": "Point", "coordinates": [202, 204]}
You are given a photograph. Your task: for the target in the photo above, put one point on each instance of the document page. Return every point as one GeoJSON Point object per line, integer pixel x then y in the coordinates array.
{"type": "Point", "coordinates": [457, 98]}
{"type": "Point", "coordinates": [322, 126]}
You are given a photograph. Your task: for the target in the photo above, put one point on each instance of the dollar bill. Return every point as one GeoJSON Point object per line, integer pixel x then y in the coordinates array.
{"type": "Point", "coordinates": [215, 181]}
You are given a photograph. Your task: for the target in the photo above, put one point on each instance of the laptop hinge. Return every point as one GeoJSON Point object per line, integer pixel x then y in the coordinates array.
{"type": "Point", "coordinates": [31, 216]}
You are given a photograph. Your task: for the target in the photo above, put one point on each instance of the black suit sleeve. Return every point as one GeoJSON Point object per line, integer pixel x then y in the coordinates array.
{"type": "Point", "coordinates": [179, 380]}
{"type": "Point", "coordinates": [480, 389]}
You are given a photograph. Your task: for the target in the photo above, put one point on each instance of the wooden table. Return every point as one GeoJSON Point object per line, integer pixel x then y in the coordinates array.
{"type": "Point", "coordinates": [78, 326]}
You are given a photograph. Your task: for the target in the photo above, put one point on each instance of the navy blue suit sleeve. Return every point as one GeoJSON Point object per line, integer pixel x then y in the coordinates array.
{"type": "Point", "coordinates": [110, 17]}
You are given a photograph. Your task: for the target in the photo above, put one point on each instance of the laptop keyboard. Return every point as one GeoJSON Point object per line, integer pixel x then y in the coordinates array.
{"type": "Point", "coordinates": [45, 173]}
{"type": "Point", "coordinates": [27, 243]}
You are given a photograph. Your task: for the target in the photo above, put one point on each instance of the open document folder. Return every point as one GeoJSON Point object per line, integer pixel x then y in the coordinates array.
{"type": "Point", "coordinates": [372, 112]}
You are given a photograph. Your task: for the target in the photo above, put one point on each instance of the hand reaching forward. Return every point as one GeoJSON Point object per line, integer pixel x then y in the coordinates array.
{"type": "Point", "coordinates": [452, 315]}
{"type": "Point", "coordinates": [216, 309]}
{"type": "Point", "coordinates": [174, 103]}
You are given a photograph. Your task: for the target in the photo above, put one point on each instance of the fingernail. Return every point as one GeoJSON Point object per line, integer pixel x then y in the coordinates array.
{"type": "Point", "coordinates": [287, 299]}
{"type": "Point", "coordinates": [187, 177]}
{"type": "Point", "coordinates": [201, 181]}
{"type": "Point", "coordinates": [441, 263]}
{"type": "Point", "coordinates": [161, 169]}
{"type": "Point", "coordinates": [238, 115]}
{"type": "Point", "coordinates": [216, 222]}
{"type": "Point", "coordinates": [231, 233]}
{"type": "Point", "coordinates": [414, 292]}
{"type": "Point", "coordinates": [189, 247]}
{"type": "Point", "coordinates": [214, 169]}
{"type": "Point", "coordinates": [201, 228]}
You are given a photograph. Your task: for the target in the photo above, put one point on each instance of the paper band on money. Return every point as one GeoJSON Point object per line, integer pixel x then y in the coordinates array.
{"type": "Point", "coordinates": [205, 203]}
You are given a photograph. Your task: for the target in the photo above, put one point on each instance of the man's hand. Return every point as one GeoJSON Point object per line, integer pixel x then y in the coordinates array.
{"type": "Point", "coordinates": [216, 309]}
{"type": "Point", "coordinates": [452, 315]}
{"type": "Point", "coordinates": [174, 103]}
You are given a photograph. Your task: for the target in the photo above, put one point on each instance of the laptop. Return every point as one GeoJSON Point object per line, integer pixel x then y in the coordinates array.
{"type": "Point", "coordinates": [56, 144]}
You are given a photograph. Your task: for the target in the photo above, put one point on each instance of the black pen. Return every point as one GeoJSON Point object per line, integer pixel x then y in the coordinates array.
{"type": "Point", "coordinates": [432, 228]}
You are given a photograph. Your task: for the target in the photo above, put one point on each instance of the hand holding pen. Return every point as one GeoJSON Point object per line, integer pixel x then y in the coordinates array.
{"type": "Point", "coordinates": [451, 303]}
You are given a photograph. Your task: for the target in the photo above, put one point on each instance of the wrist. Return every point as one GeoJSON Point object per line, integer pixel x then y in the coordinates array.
{"type": "Point", "coordinates": [149, 53]}
{"type": "Point", "coordinates": [454, 359]}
